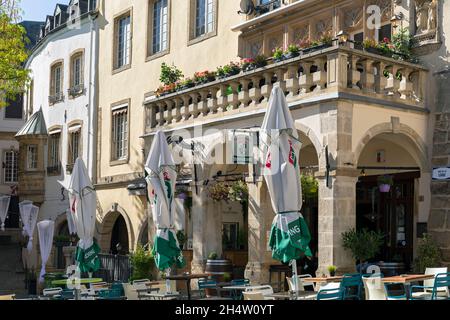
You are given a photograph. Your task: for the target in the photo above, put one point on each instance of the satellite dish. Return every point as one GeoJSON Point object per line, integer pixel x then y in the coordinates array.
{"type": "Point", "coordinates": [247, 7]}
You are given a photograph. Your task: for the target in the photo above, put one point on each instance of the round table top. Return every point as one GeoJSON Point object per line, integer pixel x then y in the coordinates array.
{"type": "Point", "coordinates": [82, 281]}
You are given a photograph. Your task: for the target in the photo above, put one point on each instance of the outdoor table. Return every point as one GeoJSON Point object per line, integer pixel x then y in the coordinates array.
{"type": "Point", "coordinates": [188, 278]}
{"type": "Point", "coordinates": [323, 280]}
{"type": "Point", "coordinates": [64, 282]}
{"type": "Point", "coordinates": [279, 269]}
{"type": "Point", "coordinates": [406, 280]}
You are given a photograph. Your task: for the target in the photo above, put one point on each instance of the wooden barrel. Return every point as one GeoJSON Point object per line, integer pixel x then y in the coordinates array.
{"type": "Point", "coordinates": [390, 269]}
{"type": "Point", "coordinates": [219, 267]}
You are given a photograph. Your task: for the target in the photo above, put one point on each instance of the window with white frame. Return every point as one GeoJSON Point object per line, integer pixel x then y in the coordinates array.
{"type": "Point", "coordinates": [10, 169]}
{"type": "Point", "coordinates": [32, 157]}
{"type": "Point", "coordinates": [76, 80]}
{"type": "Point", "coordinates": [122, 41]}
{"type": "Point", "coordinates": [74, 144]}
{"type": "Point", "coordinates": [54, 150]}
{"type": "Point", "coordinates": [160, 28]}
{"type": "Point", "coordinates": [120, 132]}
{"type": "Point", "coordinates": [204, 17]}
{"type": "Point", "coordinates": [56, 83]}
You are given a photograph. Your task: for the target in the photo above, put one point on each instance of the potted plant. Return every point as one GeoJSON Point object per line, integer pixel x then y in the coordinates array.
{"type": "Point", "coordinates": [204, 77]}
{"type": "Point", "coordinates": [238, 191]}
{"type": "Point", "coordinates": [428, 254]}
{"type": "Point", "coordinates": [332, 270]}
{"type": "Point", "coordinates": [292, 51]}
{"type": "Point", "coordinates": [142, 263]}
{"type": "Point", "coordinates": [363, 244]}
{"type": "Point", "coordinates": [277, 54]}
{"type": "Point", "coordinates": [228, 70]}
{"type": "Point", "coordinates": [219, 192]}
{"type": "Point", "coordinates": [166, 89]}
{"type": "Point", "coordinates": [260, 61]}
{"type": "Point", "coordinates": [370, 45]}
{"type": "Point", "coordinates": [385, 182]}
{"type": "Point", "coordinates": [213, 255]}
{"type": "Point", "coordinates": [247, 64]}
{"type": "Point", "coordinates": [169, 74]}
{"type": "Point", "coordinates": [304, 45]}
{"type": "Point", "coordinates": [187, 83]}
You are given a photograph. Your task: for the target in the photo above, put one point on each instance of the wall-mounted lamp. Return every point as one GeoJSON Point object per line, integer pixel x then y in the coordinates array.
{"type": "Point", "coordinates": [397, 19]}
{"type": "Point", "coordinates": [342, 36]}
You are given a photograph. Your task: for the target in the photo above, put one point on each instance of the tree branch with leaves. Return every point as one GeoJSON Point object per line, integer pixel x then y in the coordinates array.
{"type": "Point", "coordinates": [13, 53]}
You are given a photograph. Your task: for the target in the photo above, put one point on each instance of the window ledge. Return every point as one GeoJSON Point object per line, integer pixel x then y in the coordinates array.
{"type": "Point", "coordinates": [157, 55]}
{"type": "Point", "coordinates": [123, 68]}
{"type": "Point", "coordinates": [202, 38]}
{"type": "Point", "coordinates": [114, 163]}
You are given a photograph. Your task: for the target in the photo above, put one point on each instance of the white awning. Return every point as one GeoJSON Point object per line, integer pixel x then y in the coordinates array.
{"type": "Point", "coordinates": [75, 128]}
{"type": "Point", "coordinates": [55, 131]}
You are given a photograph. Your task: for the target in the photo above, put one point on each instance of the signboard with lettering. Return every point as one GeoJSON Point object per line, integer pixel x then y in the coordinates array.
{"type": "Point", "coordinates": [441, 173]}
{"type": "Point", "coordinates": [243, 142]}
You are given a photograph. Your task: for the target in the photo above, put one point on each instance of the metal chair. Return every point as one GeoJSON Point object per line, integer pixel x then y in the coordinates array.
{"type": "Point", "coordinates": [51, 292]}
{"type": "Point", "coordinates": [331, 294]}
{"type": "Point", "coordinates": [429, 284]}
{"type": "Point", "coordinates": [207, 283]}
{"type": "Point", "coordinates": [263, 289]}
{"type": "Point", "coordinates": [237, 294]}
{"type": "Point", "coordinates": [111, 294]}
{"type": "Point", "coordinates": [351, 286]}
{"type": "Point", "coordinates": [441, 281]}
{"type": "Point", "coordinates": [253, 296]}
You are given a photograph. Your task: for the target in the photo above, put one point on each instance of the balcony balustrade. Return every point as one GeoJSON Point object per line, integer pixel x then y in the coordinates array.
{"type": "Point", "coordinates": [330, 71]}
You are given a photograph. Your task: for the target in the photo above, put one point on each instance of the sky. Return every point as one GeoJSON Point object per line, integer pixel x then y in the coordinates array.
{"type": "Point", "coordinates": [37, 10]}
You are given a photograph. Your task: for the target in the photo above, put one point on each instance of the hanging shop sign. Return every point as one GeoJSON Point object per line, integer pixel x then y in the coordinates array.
{"type": "Point", "coordinates": [243, 143]}
{"type": "Point", "coordinates": [441, 173]}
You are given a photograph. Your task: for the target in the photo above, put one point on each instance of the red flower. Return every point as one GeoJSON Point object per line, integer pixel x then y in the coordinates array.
{"type": "Point", "coordinates": [386, 40]}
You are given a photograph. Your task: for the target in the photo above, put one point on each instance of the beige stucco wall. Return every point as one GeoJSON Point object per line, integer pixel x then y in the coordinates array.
{"type": "Point", "coordinates": [143, 76]}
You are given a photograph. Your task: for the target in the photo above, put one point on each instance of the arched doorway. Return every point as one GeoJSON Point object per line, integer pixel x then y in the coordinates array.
{"type": "Point", "coordinates": [309, 163]}
{"type": "Point", "coordinates": [119, 237]}
{"type": "Point", "coordinates": [397, 159]}
{"type": "Point", "coordinates": [61, 239]}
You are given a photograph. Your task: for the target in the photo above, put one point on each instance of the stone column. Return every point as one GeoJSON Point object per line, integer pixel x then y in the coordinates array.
{"type": "Point", "coordinates": [439, 220]}
{"type": "Point", "coordinates": [69, 255]}
{"type": "Point", "coordinates": [337, 214]}
{"type": "Point", "coordinates": [206, 225]}
{"type": "Point", "coordinates": [337, 202]}
{"type": "Point", "coordinates": [260, 217]}
{"type": "Point", "coordinates": [198, 225]}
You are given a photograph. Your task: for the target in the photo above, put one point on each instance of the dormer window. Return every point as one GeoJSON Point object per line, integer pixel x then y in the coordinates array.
{"type": "Point", "coordinates": [74, 10]}
{"type": "Point", "coordinates": [58, 20]}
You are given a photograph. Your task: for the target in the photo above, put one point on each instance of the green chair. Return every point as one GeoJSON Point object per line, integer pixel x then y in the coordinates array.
{"type": "Point", "coordinates": [111, 294]}
{"type": "Point", "coordinates": [237, 294]}
{"type": "Point", "coordinates": [207, 284]}
{"type": "Point", "coordinates": [331, 294]}
{"type": "Point", "coordinates": [118, 286]}
{"type": "Point", "coordinates": [351, 286]}
{"type": "Point", "coordinates": [441, 281]}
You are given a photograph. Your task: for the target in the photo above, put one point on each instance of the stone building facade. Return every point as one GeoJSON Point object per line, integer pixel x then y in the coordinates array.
{"type": "Point", "coordinates": [359, 114]}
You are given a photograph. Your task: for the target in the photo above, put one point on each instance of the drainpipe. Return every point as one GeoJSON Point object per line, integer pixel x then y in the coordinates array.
{"type": "Point", "coordinates": [92, 96]}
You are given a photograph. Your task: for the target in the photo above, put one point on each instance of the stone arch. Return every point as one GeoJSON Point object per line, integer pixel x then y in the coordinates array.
{"type": "Point", "coordinates": [395, 128]}
{"type": "Point", "coordinates": [142, 228]}
{"type": "Point", "coordinates": [308, 132]}
{"type": "Point", "coordinates": [60, 220]}
{"type": "Point", "coordinates": [107, 225]}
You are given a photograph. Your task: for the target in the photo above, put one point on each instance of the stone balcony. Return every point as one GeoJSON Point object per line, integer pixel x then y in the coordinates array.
{"type": "Point", "coordinates": [334, 72]}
